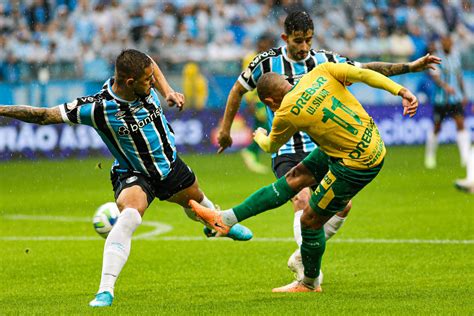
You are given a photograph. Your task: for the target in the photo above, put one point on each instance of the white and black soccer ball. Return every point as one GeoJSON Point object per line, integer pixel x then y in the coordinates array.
{"type": "Point", "coordinates": [105, 217]}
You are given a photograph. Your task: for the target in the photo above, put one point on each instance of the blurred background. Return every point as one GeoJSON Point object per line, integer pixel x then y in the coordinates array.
{"type": "Point", "coordinates": [54, 51]}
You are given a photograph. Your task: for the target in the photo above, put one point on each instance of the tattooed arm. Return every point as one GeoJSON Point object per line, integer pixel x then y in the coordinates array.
{"type": "Point", "coordinates": [32, 114]}
{"type": "Point", "coordinates": [390, 69]}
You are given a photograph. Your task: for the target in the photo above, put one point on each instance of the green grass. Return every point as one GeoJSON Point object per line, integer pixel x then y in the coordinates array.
{"type": "Point", "coordinates": [405, 202]}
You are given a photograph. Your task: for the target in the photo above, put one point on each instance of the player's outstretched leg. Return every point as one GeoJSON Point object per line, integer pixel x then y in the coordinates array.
{"type": "Point", "coordinates": [213, 220]}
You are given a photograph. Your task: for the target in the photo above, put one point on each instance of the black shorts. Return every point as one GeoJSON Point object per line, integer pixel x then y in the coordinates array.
{"type": "Point", "coordinates": [179, 178]}
{"type": "Point", "coordinates": [283, 163]}
{"type": "Point", "coordinates": [440, 112]}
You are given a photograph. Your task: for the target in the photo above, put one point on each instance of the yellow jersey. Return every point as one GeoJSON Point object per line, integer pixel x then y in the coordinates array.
{"type": "Point", "coordinates": [321, 105]}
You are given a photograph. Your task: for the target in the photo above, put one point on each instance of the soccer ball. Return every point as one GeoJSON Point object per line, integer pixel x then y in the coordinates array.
{"type": "Point", "coordinates": [105, 217]}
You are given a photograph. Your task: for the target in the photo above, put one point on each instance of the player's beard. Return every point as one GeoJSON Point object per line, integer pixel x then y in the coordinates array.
{"type": "Point", "coordinates": [142, 94]}
{"type": "Point", "coordinates": [302, 55]}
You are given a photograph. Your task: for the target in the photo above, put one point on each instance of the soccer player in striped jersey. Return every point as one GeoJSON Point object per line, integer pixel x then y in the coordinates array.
{"type": "Point", "coordinates": [450, 99]}
{"type": "Point", "coordinates": [349, 156]}
{"type": "Point", "coordinates": [128, 116]}
{"type": "Point", "coordinates": [293, 60]}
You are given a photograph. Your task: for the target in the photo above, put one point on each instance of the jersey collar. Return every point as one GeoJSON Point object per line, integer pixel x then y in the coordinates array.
{"type": "Point", "coordinates": [111, 92]}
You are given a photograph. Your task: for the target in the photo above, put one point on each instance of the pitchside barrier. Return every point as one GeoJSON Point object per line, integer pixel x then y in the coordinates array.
{"type": "Point", "coordinates": [196, 131]}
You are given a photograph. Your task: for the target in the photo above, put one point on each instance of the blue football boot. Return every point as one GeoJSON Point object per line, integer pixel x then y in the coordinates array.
{"type": "Point", "coordinates": [237, 232]}
{"type": "Point", "coordinates": [102, 299]}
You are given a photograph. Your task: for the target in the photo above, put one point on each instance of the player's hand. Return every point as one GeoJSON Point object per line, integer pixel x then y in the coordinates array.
{"type": "Point", "coordinates": [409, 102]}
{"type": "Point", "coordinates": [175, 99]}
{"type": "Point", "coordinates": [224, 140]}
{"type": "Point", "coordinates": [423, 63]}
{"type": "Point", "coordinates": [449, 90]}
{"type": "Point", "coordinates": [260, 130]}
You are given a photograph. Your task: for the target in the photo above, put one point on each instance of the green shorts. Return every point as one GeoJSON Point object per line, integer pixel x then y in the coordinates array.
{"type": "Point", "coordinates": [337, 183]}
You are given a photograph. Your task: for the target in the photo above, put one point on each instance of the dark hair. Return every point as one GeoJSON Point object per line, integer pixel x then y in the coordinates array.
{"type": "Point", "coordinates": [131, 63]}
{"type": "Point", "coordinates": [298, 21]}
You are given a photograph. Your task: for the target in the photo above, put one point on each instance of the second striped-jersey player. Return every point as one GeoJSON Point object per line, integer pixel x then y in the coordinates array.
{"type": "Point", "coordinates": [277, 60]}
{"type": "Point", "coordinates": [137, 133]}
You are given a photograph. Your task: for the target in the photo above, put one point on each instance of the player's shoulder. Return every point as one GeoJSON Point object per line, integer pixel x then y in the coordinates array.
{"type": "Point", "coordinates": [268, 54]}
{"type": "Point", "coordinates": [327, 53]}
{"type": "Point", "coordinates": [331, 56]}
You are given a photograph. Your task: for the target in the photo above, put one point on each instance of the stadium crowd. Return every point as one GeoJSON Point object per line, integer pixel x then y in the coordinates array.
{"type": "Point", "coordinates": [80, 38]}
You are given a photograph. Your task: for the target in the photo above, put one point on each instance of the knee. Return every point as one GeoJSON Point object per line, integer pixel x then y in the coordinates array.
{"type": "Point", "coordinates": [133, 197]}
{"type": "Point", "coordinates": [301, 200]}
{"type": "Point", "coordinates": [309, 220]}
{"type": "Point", "coordinates": [130, 219]}
{"type": "Point", "coordinates": [300, 177]}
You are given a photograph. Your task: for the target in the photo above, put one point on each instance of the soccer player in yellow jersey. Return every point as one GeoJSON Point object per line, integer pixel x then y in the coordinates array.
{"type": "Point", "coordinates": [349, 156]}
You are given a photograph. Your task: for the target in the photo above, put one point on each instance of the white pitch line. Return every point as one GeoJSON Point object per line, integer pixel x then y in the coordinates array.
{"type": "Point", "coordinates": [161, 228]}
{"type": "Point", "coordinates": [257, 239]}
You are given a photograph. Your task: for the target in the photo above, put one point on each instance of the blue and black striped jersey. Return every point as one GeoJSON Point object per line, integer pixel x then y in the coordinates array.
{"type": "Point", "coordinates": [277, 60]}
{"type": "Point", "coordinates": [136, 133]}
{"type": "Point", "coordinates": [448, 71]}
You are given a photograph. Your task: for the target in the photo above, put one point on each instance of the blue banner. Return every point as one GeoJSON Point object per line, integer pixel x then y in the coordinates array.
{"type": "Point", "coordinates": [197, 132]}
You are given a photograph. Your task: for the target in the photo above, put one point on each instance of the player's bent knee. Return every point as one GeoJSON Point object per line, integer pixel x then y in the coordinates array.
{"type": "Point", "coordinates": [310, 220]}
{"type": "Point", "coordinates": [132, 197]}
{"type": "Point", "coordinates": [129, 220]}
{"type": "Point", "coordinates": [299, 177]}
{"type": "Point", "coordinates": [301, 200]}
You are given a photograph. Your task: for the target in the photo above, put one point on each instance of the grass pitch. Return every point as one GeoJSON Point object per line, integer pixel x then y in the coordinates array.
{"type": "Point", "coordinates": [407, 247]}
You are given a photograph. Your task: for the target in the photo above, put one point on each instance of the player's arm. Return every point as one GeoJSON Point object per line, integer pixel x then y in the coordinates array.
{"type": "Point", "coordinates": [231, 108]}
{"type": "Point", "coordinates": [440, 83]}
{"type": "Point", "coordinates": [31, 114]}
{"type": "Point", "coordinates": [392, 69]}
{"type": "Point", "coordinates": [281, 132]}
{"type": "Point", "coordinates": [350, 74]}
{"type": "Point", "coordinates": [172, 97]}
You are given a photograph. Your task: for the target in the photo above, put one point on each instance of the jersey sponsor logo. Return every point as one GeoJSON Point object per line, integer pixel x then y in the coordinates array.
{"type": "Point", "coordinates": [261, 57]}
{"type": "Point", "coordinates": [126, 130]}
{"type": "Point", "coordinates": [131, 179]}
{"type": "Point", "coordinates": [89, 99]}
{"type": "Point", "coordinates": [364, 142]}
{"type": "Point", "coordinates": [136, 108]}
{"type": "Point", "coordinates": [120, 115]}
{"type": "Point", "coordinates": [307, 94]}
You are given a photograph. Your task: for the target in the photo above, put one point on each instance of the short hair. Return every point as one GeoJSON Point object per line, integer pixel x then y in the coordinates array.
{"type": "Point", "coordinates": [131, 63]}
{"type": "Point", "coordinates": [298, 21]}
{"type": "Point", "coordinates": [268, 83]}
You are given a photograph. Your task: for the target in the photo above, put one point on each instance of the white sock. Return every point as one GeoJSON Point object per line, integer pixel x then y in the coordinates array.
{"type": "Point", "coordinates": [117, 248]}
{"type": "Point", "coordinates": [333, 225]}
{"type": "Point", "coordinates": [464, 143]}
{"type": "Point", "coordinates": [297, 227]}
{"type": "Point", "coordinates": [205, 202]}
{"type": "Point", "coordinates": [229, 218]}
{"type": "Point", "coordinates": [431, 144]}
{"type": "Point", "coordinates": [470, 166]}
